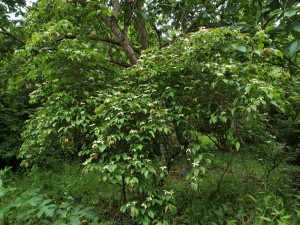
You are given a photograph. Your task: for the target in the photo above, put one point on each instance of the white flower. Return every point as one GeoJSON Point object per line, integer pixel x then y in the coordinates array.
{"type": "Point", "coordinates": [163, 168]}
{"type": "Point", "coordinates": [132, 131]}
{"type": "Point", "coordinates": [168, 192]}
{"type": "Point", "coordinates": [195, 164]}
{"type": "Point", "coordinates": [144, 205]}
{"type": "Point", "coordinates": [149, 199]}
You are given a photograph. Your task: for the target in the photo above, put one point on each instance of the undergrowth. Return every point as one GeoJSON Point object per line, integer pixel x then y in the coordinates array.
{"type": "Point", "coordinates": [234, 191]}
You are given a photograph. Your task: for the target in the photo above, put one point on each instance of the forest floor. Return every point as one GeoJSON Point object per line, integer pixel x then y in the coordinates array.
{"type": "Point", "coordinates": [233, 192]}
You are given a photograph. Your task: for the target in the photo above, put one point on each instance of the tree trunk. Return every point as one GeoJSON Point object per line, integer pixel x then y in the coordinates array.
{"type": "Point", "coordinates": [122, 38]}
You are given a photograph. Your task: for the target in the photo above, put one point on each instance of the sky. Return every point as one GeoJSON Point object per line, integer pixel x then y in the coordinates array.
{"type": "Point", "coordinates": [12, 15]}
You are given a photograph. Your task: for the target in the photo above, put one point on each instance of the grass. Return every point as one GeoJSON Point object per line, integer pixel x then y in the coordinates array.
{"type": "Point", "coordinates": [233, 191]}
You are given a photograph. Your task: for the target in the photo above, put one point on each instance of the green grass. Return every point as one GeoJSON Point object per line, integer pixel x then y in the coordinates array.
{"type": "Point", "coordinates": [238, 196]}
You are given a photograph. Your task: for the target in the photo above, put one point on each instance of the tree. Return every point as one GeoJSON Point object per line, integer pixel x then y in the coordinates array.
{"type": "Point", "coordinates": [131, 86]}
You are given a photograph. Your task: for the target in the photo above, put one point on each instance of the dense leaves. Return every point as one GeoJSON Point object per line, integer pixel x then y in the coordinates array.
{"type": "Point", "coordinates": [131, 88]}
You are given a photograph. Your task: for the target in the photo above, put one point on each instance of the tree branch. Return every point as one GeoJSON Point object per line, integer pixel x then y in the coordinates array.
{"type": "Point", "coordinates": [122, 38]}
{"type": "Point", "coordinates": [4, 31]}
{"type": "Point", "coordinates": [119, 63]}
{"type": "Point", "coordinates": [158, 33]}
{"type": "Point", "coordinates": [115, 42]}
{"type": "Point", "coordinates": [65, 37]}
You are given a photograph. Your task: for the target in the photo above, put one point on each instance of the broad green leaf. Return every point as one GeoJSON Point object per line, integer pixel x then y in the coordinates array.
{"type": "Point", "coordinates": [146, 173]}
{"type": "Point", "coordinates": [111, 168]}
{"type": "Point", "coordinates": [151, 214]}
{"type": "Point", "coordinates": [297, 27]}
{"type": "Point", "coordinates": [102, 148]}
{"type": "Point", "coordinates": [240, 48]}
{"type": "Point", "coordinates": [291, 13]}
{"type": "Point", "coordinates": [256, 102]}
{"type": "Point", "coordinates": [223, 119]}
{"type": "Point", "coordinates": [294, 48]}
{"type": "Point", "coordinates": [253, 107]}
{"type": "Point", "coordinates": [194, 186]}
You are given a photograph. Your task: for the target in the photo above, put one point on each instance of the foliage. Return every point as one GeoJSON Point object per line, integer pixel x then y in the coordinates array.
{"type": "Point", "coordinates": [133, 126]}
{"type": "Point", "coordinates": [133, 87]}
{"type": "Point", "coordinates": [32, 207]}
{"type": "Point", "coordinates": [243, 196]}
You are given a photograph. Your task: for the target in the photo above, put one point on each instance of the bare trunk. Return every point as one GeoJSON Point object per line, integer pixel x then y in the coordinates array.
{"type": "Point", "coordinates": [141, 26]}
{"type": "Point", "coordinates": [116, 9]}
{"type": "Point", "coordinates": [143, 34]}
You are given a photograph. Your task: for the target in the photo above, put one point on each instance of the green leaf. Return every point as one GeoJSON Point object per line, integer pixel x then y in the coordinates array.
{"type": "Point", "coordinates": [194, 186]}
{"type": "Point", "coordinates": [240, 48]}
{"type": "Point", "coordinates": [231, 222]}
{"type": "Point", "coordinates": [74, 220]}
{"type": "Point", "coordinates": [237, 145]}
{"type": "Point", "coordinates": [102, 148]}
{"type": "Point", "coordinates": [151, 214]}
{"type": "Point", "coordinates": [196, 172]}
{"type": "Point", "coordinates": [291, 13]}
{"type": "Point", "coordinates": [47, 210]}
{"type": "Point", "coordinates": [119, 177]}
{"type": "Point", "coordinates": [100, 108]}
{"type": "Point", "coordinates": [265, 218]}
{"type": "Point", "coordinates": [253, 107]}
{"type": "Point", "coordinates": [256, 102]}
{"type": "Point", "coordinates": [146, 173]}
{"type": "Point", "coordinates": [247, 89]}
{"type": "Point", "coordinates": [294, 48]}
{"type": "Point", "coordinates": [213, 119]}
{"type": "Point", "coordinates": [223, 119]}
{"type": "Point", "coordinates": [111, 168]}
{"type": "Point", "coordinates": [279, 53]}
{"type": "Point", "coordinates": [297, 27]}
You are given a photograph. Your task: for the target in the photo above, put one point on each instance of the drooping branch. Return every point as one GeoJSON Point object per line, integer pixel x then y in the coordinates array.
{"type": "Point", "coordinates": [7, 33]}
